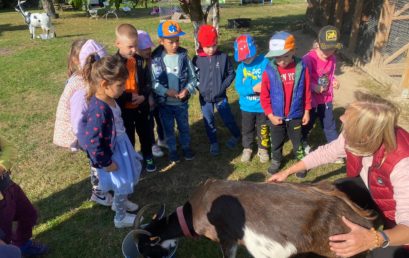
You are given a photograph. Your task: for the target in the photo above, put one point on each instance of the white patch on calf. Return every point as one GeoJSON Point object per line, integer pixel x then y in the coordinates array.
{"type": "Point", "coordinates": [260, 246]}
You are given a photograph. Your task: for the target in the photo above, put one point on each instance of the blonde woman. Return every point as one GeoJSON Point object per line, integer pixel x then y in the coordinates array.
{"type": "Point", "coordinates": [377, 159]}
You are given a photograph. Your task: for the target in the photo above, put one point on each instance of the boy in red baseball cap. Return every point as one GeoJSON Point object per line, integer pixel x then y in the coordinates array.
{"type": "Point", "coordinates": [215, 73]}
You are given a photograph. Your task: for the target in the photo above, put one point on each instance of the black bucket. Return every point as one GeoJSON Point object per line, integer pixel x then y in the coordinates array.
{"type": "Point", "coordinates": [130, 247]}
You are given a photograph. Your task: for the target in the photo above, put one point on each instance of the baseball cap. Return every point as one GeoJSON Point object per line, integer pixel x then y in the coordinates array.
{"type": "Point", "coordinates": [244, 47]}
{"type": "Point", "coordinates": [328, 38]}
{"type": "Point", "coordinates": [90, 47]}
{"type": "Point", "coordinates": [169, 29]}
{"type": "Point", "coordinates": [280, 43]}
{"type": "Point", "coordinates": [144, 40]}
{"type": "Point", "coordinates": [207, 36]}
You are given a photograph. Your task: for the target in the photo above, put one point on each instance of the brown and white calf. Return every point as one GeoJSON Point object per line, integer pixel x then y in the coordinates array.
{"type": "Point", "coordinates": [270, 220]}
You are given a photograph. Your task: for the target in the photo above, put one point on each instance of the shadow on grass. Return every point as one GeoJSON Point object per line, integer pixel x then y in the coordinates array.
{"type": "Point", "coordinates": [73, 35]}
{"type": "Point", "coordinates": [63, 201]}
{"type": "Point", "coordinates": [10, 27]}
{"type": "Point", "coordinates": [262, 29]}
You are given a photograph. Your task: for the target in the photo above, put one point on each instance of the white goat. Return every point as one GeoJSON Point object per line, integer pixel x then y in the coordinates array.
{"type": "Point", "coordinates": [37, 20]}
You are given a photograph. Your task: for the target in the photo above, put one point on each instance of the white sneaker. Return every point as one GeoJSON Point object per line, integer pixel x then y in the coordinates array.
{"type": "Point", "coordinates": [339, 161]}
{"type": "Point", "coordinates": [263, 155]}
{"type": "Point", "coordinates": [130, 206]}
{"type": "Point", "coordinates": [162, 144]}
{"type": "Point", "coordinates": [157, 151]}
{"type": "Point", "coordinates": [126, 222]}
{"type": "Point", "coordinates": [104, 199]}
{"type": "Point", "coordinates": [246, 155]}
{"type": "Point", "coordinates": [307, 148]}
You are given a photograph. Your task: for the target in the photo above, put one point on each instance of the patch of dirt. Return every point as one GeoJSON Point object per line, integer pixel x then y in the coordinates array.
{"type": "Point", "coordinates": [6, 52]}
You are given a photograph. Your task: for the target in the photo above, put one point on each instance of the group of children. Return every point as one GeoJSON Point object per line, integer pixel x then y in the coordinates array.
{"type": "Point", "coordinates": [108, 98]}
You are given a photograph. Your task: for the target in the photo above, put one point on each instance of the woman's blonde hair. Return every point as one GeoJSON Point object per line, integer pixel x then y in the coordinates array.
{"type": "Point", "coordinates": [370, 121]}
{"type": "Point", "coordinates": [109, 68]}
{"type": "Point", "coordinates": [73, 56]}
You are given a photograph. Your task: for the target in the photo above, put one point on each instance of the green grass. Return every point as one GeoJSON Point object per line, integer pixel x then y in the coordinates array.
{"type": "Point", "coordinates": [32, 78]}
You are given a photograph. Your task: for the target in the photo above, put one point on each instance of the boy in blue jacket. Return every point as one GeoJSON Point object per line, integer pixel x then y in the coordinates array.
{"type": "Point", "coordinates": [173, 81]}
{"type": "Point", "coordinates": [215, 74]}
{"type": "Point", "coordinates": [248, 85]}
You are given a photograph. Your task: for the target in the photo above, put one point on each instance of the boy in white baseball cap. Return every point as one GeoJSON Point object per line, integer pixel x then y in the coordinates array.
{"type": "Point", "coordinates": [285, 97]}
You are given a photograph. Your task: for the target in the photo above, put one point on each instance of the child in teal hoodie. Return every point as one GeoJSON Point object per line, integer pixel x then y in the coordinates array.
{"type": "Point", "coordinates": [248, 86]}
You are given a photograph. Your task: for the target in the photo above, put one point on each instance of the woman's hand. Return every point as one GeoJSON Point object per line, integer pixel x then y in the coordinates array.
{"type": "Point", "coordinates": [358, 240]}
{"type": "Point", "coordinates": [278, 177]}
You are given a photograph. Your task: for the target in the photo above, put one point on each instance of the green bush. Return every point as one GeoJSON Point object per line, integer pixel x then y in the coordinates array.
{"type": "Point", "coordinates": [77, 4]}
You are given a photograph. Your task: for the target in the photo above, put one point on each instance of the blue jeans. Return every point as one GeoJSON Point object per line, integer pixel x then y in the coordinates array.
{"type": "Point", "coordinates": [326, 116]}
{"type": "Point", "coordinates": [223, 108]}
{"type": "Point", "coordinates": [168, 114]}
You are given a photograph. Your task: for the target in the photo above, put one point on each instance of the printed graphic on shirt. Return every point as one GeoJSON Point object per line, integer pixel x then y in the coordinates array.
{"type": "Point", "coordinates": [173, 70]}
{"type": "Point", "coordinates": [254, 74]}
{"type": "Point", "coordinates": [288, 78]}
{"type": "Point", "coordinates": [253, 97]}
{"type": "Point", "coordinates": [323, 82]}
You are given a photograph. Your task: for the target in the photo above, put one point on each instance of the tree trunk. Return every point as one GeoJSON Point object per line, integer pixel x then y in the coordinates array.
{"type": "Point", "coordinates": [48, 7]}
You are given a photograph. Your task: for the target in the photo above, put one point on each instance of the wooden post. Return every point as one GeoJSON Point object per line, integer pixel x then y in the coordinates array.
{"type": "Point", "coordinates": [405, 75]}
{"type": "Point", "coordinates": [355, 25]}
{"type": "Point", "coordinates": [384, 27]}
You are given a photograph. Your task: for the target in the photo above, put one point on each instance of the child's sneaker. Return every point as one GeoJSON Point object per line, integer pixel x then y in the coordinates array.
{"type": "Point", "coordinates": [246, 155]}
{"type": "Point", "coordinates": [188, 154]}
{"type": "Point", "coordinates": [232, 142]}
{"type": "Point", "coordinates": [31, 248]}
{"type": "Point", "coordinates": [339, 161]}
{"type": "Point", "coordinates": [162, 144]}
{"type": "Point", "coordinates": [174, 156]}
{"type": "Point", "coordinates": [274, 167]}
{"type": "Point", "coordinates": [150, 166]}
{"type": "Point", "coordinates": [104, 199]}
{"type": "Point", "coordinates": [214, 149]}
{"type": "Point", "coordinates": [157, 151]}
{"type": "Point", "coordinates": [130, 206]}
{"type": "Point", "coordinates": [126, 222]}
{"type": "Point", "coordinates": [263, 155]}
{"type": "Point", "coordinates": [301, 174]}
{"type": "Point", "coordinates": [306, 147]}
{"type": "Point", "coordinates": [300, 154]}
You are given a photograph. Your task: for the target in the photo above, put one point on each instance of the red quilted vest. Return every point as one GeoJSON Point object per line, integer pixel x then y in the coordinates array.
{"type": "Point", "coordinates": [379, 181]}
